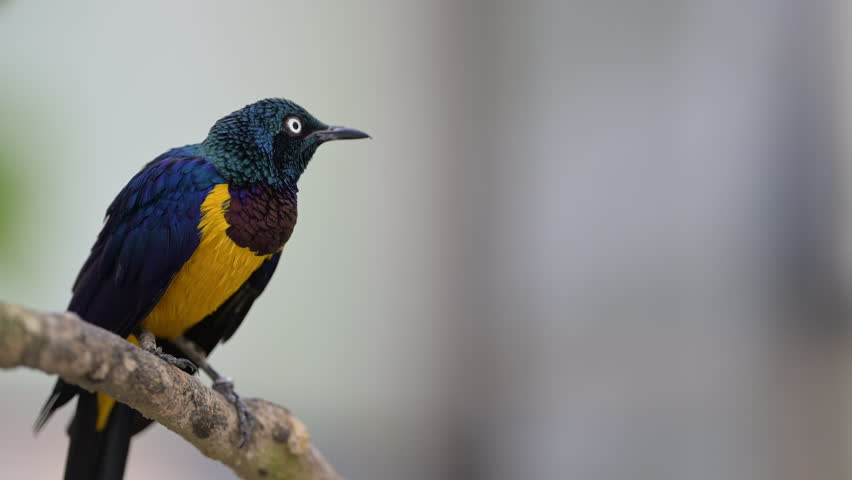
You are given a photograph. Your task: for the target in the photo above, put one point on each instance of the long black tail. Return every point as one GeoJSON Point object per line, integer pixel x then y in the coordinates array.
{"type": "Point", "coordinates": [93, 454]}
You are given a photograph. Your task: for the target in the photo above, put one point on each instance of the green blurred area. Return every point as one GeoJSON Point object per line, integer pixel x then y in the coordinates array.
{"type": "Point", "coordinates": [17, 193]}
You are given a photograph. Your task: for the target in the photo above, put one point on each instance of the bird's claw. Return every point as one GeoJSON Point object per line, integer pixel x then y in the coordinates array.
{"type": "Point", "coordinates": [148, 342]}
{"type": "Point", "coordinates": [225, 386]}
{"type": "Point", "coordinates": [181, 363]}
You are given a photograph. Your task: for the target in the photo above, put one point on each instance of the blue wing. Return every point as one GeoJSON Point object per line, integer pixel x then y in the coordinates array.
{"type": "Point", "coordinates": [150, 231]}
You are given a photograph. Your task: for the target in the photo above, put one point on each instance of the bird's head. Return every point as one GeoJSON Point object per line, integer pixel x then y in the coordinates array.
{"type": "Point", "coordinates": [270, 141]}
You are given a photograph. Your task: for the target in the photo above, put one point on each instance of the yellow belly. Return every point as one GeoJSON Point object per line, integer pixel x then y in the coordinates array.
{"type": "Point", "coordinates": [216, 269]}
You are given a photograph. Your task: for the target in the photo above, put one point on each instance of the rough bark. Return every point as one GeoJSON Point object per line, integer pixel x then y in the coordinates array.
{"type": "Point", "coordinates": [95, 359]}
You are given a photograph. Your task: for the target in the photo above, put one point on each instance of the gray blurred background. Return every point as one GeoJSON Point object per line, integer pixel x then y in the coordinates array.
{"type": "Point", "coordinates": [590, 239]}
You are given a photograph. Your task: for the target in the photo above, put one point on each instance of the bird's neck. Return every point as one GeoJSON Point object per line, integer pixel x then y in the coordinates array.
{"type": "Point", "coordinates": [262, 199]}
{"type": "Point", "coordinates": [244, 163]}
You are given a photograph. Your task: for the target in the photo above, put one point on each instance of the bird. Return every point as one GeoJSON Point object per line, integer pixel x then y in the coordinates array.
{"type": "Point", "coordinates": [186, 248]}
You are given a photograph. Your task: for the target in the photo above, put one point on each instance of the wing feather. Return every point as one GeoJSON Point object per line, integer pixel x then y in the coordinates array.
{"type": "Point", "coordinates": [151, 230]}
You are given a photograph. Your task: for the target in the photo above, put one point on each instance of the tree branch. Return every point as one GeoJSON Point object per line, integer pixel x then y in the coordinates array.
{"type": "Point", "coordinates": [95, 359]}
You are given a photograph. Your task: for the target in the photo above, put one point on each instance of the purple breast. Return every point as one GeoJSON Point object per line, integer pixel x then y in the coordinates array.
{"type": "Point", "coordinates": [261, 218]}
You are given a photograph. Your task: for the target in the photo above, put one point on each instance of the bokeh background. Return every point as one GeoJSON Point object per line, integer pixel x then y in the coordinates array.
{"type": "Point", "coordinates": [591, 239]}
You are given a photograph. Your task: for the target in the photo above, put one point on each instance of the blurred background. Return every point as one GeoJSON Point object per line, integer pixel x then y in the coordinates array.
{"type": "Point", "coordinates": [590, 239]}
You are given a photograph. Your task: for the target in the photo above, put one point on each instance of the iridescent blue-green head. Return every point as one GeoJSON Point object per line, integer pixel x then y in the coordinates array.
{"type": "Point", "coordinates": [269, 142]}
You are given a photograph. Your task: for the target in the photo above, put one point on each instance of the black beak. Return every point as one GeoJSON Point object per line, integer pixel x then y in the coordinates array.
{"type": "Point", "coordinates": [338, 133]}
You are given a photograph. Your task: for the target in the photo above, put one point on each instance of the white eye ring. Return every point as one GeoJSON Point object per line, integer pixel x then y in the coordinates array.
{"type": "Point", "coordinates": [294, 125]}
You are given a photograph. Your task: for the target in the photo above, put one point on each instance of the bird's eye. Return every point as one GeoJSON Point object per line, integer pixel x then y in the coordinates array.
{"type": "Point", "coordinates": [294, 125]}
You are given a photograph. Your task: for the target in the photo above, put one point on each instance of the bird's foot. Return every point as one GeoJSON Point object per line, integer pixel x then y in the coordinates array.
{"type": "Point", "coordinates": [225, 386]}
{"type": "Point", "coordinates": [181, 363]}
{"type": "Point", "coordinates": [148, 342]}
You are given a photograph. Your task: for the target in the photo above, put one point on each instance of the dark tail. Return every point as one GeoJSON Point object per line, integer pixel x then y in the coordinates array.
{"type": "Point", "coordinates": [93, 454]}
